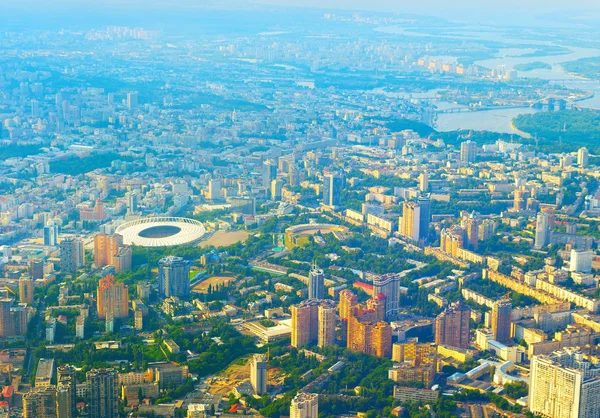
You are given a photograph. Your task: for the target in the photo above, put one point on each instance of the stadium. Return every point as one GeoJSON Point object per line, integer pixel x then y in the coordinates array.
{"type": "Point", "coordinates": [161, 231]}
{"type": "Point", "coordinates": [299, 235]}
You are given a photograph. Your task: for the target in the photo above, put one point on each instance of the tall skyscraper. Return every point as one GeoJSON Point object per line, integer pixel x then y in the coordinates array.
{"type": "Point", "coordinates": [269, 173]}
{"type": "Point", "coordinates": [326, 336]}
{"type": "Point", "coordinates": [132, 100]}
{"type": "Point", "coordinates": [109, 250]}
{"type": "Point", "coordinates": [305, 405]}
{"type": "Point", "coordinates": [173, 276]}
{"type": "Point", "coordinates": [121, 261]}
{"type": "Point", "coordinates": [452, 327]}
{"type": "Point", "coordinates": [103, 393]}
{"type": "Point", "coordinates": [583, 157]}
{"type": "Point", "coordinates": [35, 268]}
{"type": "Point", "coordinates": [424, 182]}
{"type": "Point", "coordinates": [276, 189]}
{"type": "Point", "coordinates": [258, 373]}
{"type": "Point", "coordinates": [520, 198]}
{"type": "Point", "coordinates": [113, 298]}
{"type": "Point", "coordinates": [13, 318]}
{"type": "Point", "coordinates": [63, 405]}
{"type": "Point", "coordinates": [105, 248]}
{"type": "Point", "coordinates": [215, 187]}
{"type": "Point", "coordinates": [40, 403]}
{"type": "Point", "coordinates": [564, 384]}
{"type": "Point", "coordinates": [501, 323]}
{"type": "Point", "coordinates": [424, 202]}
{"type": "Point", "coordinates": [410, 225]}
{"type": "Point", "coordinates": [542, 230]}
{"type": "Point", "coordinates": [367, 335]}
{"type": "Point", "coordinates": [332, 190]}
{"type": "Point", "coordinates": [468, 151]}
{"type": "Point", "coordinates": [51, 235]}
{"type": "Point", "coordinates": [5, 317]}
{"type": "Point", "coordinates": [471, 228]}
{"type": "Point", "coordinates": [71, 255]}
{"type": "Point", "coordinates": [67, 391]}
{"type": "Point", "coordinates": [131, 202]}
{"type": "Point", "coordinates": [347, 303]}
{"type": "Point", "coordinates": [388, 285]}
{"type": "Point", "coordinates": [316, 283]}
{"type": "Point", "coordinates": [305, 324]}
{"type": "Point", "coordinates": [26, 289]}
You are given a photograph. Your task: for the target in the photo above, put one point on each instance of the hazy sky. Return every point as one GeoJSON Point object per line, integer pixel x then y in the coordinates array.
{"type": "Point", "coordinates": [504, 11]}
{"type": "Point", "coordinates": [453, 8]}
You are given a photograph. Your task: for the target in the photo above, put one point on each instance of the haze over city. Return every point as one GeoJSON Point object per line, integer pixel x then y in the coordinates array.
{"type": "Point", "coordinates": [304, 209]}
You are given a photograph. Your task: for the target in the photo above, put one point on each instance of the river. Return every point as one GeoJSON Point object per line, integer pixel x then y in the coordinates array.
{"type": "Point", "coordinates": [501, 120]}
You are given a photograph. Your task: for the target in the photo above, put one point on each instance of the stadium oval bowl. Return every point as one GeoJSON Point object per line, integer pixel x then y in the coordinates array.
{"type": "Point", "coordinates": [161, 231]}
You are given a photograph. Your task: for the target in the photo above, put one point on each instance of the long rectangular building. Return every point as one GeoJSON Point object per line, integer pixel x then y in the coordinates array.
{"type": "Point", "coordinates": [44, 373]}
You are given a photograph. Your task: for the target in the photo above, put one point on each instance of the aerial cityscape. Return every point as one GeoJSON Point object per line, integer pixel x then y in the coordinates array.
{"type": "Point", "coordinates": [253, 208]}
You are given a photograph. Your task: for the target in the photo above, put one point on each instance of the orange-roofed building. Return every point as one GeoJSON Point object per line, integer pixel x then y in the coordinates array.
{"type": "Point", "coordinates": [113, 298]}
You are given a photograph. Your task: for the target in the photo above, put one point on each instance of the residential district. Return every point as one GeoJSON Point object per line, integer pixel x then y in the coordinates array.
{"type": "Point", "coordinates": [195, 248]}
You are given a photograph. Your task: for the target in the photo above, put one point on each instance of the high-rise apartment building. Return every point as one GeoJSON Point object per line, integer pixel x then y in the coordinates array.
{"type": "Point", "coordinates": [103, 393]}
{"type": "Point", "coordinates": [173, 276]}
{"type": "Point", "coordinates": [424, 182]}
{"type": "Point", "coordinates": [487, 228]}
{"type": "Point", "coordinates": [542, 230]}
{"type": "Point", "coordinates": [520, 199]}
{"type": "Point", "coordinates": [276, 189]}
{"type": "Point", "coordinates": [122, 259]}
{"type": "Point", "coordinates": [13, 318]}
{"type": "Point", "coordinates": [70, 255]}
{"type": "Point", "coordinates": [63, 406]}
{"type": "Point", "coordinates": [410, 224]}
{"type": "Point", "coordinates": [26, 289]}
{"type": "Point", "coordinates": [564, 384]}
{"type": "Point", "coordinates": [66, 383]}
{"type": "Point", "coordinates": [113, 298]}
{"type": "Point", "coordinates": [305, 324]}
{"type": "Point", "coordinates": [51, 235]}
{"type": "Point", "coordinates": [307, 329]}
{"type": "Point", "coordinates": [377, 305]}
{"type": "Point", "coordinates": [332, 190]}
{"type": "Point", "coordinates": [327, 320]}
{"type": "Point", "coordinates": [424, 202]}
{"type": "Point", "coordinates": [269, 173]}
{"type": "Point", "coordinates": [305, 405]}
{"type": "Point", "coordinates": [215, 187]}
{"type": "Point", "coordinates": [468, 151]}
{"type": "Point", "coordinates": [35, 268]}
{"type": "Point", "coordinates": [109, 250]}
{"type": "Point", "coordinates": [471, 228]}
{"type": "Point", "coordinates": [388, 285]}
{"type": "Point", "coordinates": [316, 283]}
{"type": "Point", "coordinates": [131, 202]}
{"type": "Point", "coordinates": [347, 303]}
{"type": "Point", "coordinates": [583, 157]}
{"type": "Point", "coordinates": [581, 261]}
{"type": "Point", "coordinates": [105, 247]}
{"type": "Point", "coordinates": [258, 373]}
{"type": "Point", "coordinates": [452, 327]}
{"type": "Point", "coordinates": [544, 226]}
{"type": "Point", "coordinates": [40, 403]}
{"type": "Point", "coordinates": [501, 323]}
{"type": "Point", "coordinates": [367, 335]}
{"type": "Point", "coordinates": [132, 100]}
